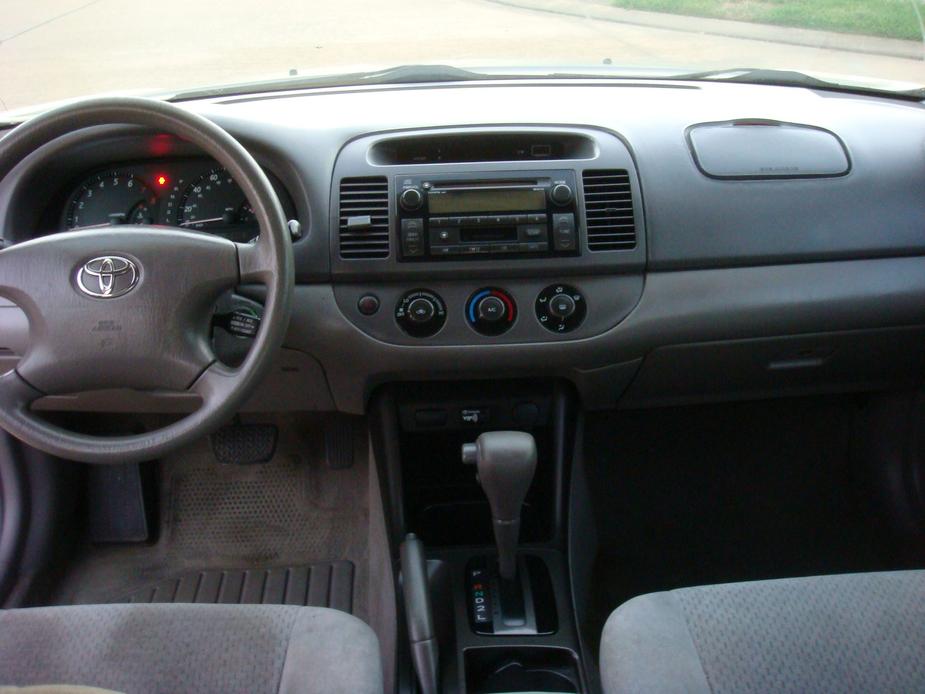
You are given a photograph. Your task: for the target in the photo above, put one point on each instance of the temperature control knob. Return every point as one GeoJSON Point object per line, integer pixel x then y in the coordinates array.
{"type": "Point", "coordinates": [421, 313]}
{"type": "Point", "coordinates": [560, 308]}
{"type": "Point", "coordinates": [411, 199]}
{"type": "Point", "coordinates": [491, 311]}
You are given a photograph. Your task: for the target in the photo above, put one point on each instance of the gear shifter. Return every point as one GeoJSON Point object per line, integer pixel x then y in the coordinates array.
{"type": "Point", "coordinates": [506, 462]}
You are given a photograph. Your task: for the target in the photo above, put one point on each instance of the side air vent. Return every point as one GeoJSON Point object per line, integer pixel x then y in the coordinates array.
{"type": "Point", "coordinates": [364, 217]}
{"type": "Point", "coordinates": [609, 210]}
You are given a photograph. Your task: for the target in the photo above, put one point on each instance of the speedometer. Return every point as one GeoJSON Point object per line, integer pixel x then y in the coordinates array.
{"type": "Point", "coordinates": [215, 203]}
{"type": "Point", "coordinates": [113, 197]}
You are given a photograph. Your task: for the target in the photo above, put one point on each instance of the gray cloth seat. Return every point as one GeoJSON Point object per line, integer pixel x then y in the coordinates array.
{"type": "Point", "coordinates": [846, 633]}
{"type": "Point", "coordinates": [175, 648]}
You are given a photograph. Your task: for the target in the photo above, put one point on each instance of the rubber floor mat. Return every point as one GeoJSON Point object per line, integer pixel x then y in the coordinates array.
{"type": "Point", "coordinates": [327, 584]}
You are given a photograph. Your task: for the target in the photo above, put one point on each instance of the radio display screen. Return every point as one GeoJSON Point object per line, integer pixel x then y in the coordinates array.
{"type": "Point", "coordinates": [487, 200]}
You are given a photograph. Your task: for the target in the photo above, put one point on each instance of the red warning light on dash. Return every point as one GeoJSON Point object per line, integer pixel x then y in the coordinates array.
{"type": "Point", "coordinates": [162, 180]}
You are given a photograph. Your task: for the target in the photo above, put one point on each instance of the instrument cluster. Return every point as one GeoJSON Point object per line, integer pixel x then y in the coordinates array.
{"type": "Point", "coordinates": [195, 194]}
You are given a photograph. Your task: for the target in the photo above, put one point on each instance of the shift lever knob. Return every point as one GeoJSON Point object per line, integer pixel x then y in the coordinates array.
{"type": "Point", "coordinates": [506, 462]}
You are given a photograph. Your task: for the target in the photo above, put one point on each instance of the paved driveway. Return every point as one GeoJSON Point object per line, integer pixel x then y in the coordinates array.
{"type": "Point", "coordinates": [54, 49]}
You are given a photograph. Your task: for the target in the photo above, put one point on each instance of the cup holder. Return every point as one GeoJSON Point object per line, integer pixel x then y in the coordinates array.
{"type": "Point", "coordinates": [502, 670]}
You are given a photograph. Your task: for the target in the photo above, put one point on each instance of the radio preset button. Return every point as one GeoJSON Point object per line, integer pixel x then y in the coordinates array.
{"type": "Point", "coordinates": [536, 218]}
{"type": "Point", "coordinates": [443, 237]}
{"type": "Point", "coordinates": [439, 221]}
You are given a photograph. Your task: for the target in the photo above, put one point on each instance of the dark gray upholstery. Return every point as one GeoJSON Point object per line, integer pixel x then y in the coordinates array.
{"type": "Point", "coordinates": [848, 633]}
{"type": "Point", "coordinates": [175, 648]}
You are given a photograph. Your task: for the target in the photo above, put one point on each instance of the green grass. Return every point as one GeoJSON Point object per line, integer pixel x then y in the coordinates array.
{"type": "Point", "coordinates": [891, 18]}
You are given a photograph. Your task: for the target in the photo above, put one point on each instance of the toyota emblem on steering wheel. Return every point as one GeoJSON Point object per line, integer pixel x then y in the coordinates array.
{"type": "Point", "coordinates": [107, 277]}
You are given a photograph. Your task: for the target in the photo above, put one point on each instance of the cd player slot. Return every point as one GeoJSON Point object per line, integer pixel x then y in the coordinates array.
{"type": "Point", "coordinates": [526, 183]}
{"type": "Point", "coordinates": [488, 234]}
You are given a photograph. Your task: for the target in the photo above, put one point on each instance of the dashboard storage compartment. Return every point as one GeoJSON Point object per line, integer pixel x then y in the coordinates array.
{"type": "Point", "coordinates": [762, 149]}
{"type": "Point", "coordinates": [779, 366]}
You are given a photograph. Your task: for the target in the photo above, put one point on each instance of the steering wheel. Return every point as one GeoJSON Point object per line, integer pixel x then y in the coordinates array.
{"type": "Point", "coordinates": [130, 306]}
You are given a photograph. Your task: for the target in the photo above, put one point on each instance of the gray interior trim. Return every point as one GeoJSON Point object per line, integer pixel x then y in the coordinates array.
{"type": "Point", "coordinates": [647, 647]}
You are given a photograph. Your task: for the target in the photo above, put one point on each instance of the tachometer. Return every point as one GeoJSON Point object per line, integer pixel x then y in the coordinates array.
{"type": "Point", "coordinates": [113, 197]}
{"type": "Point", "coordinates": [217, 204]}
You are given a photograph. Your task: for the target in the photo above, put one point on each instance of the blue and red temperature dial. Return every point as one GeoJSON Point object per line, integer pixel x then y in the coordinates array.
{"type": "Point", "coordinates": [491, 311]}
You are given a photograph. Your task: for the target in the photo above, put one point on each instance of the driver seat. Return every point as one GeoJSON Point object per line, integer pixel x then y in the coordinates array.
{"type": "Point", "coordinates": [176, 648]}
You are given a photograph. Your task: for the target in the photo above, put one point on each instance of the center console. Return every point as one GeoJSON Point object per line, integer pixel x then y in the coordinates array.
{"type": "Point", "coordinates": [475, 476]}
{"type": "Point", "coordinates": [496, 237]}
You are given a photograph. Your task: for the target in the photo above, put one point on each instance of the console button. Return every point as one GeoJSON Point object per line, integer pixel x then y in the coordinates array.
{"type": "Point", "coordinates": [526, 414]}
{"type": "Point", "coordinates": [421, 310]}
{"type": "Point", "coordinates": [443, 236]}
{"type": "Point", "coordinates": [368, 304]}
{"type": "Point", "coordinates": [561, 194]}
{"type": "Point", "coordinates": [430, 418]}
{"type": "Point", "coordinates": [420, 313]}
{"type": "Point", "coordinates": [564, 236]}
{"type": "Point", "coordinates": [411, 199]}
{"type": "Point", "coordinates": [439, 221]}
{"type": "Point", "coordinates": [491, 311]}
{"type": "Point", "coordinates": [412, 237]}
{"type": "Point", "coordinates": [560, 308]}
{"type": "Point", "coordinates": [533, 231]}
{"type": "Point", "coordinates": [536, 218]}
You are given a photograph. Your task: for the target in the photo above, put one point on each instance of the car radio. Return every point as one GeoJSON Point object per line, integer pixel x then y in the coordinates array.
{"type": "Point", "coordinates": [479, 215]}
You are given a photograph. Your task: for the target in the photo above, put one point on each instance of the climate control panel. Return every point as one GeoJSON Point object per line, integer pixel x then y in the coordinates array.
{"type": "Point", "coordinates": [468, 311]}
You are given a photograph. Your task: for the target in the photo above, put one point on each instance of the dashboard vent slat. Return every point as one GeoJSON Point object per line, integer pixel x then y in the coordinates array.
{"type": "Point", "coordinates": [364, 198]}
{"type": "Point", "coordinates": [609, 216]}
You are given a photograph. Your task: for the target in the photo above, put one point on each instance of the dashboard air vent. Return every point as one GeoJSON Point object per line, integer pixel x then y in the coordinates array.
{"type": "Point", "coordinates": [364, 217]}
{"type": "Point", "coordinates": [609, 210]}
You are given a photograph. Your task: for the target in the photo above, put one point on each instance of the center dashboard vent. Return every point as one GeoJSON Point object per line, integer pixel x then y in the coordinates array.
{"type": "Point", "coordinates": [609, 210]}
{"type": "Point", "coordinates": [364, 218]}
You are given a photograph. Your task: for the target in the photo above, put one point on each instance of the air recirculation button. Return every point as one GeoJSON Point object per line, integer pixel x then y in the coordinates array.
{"type": "Point", "coordinates": [421, 313]}
{"type": "Point", "coordinates": [560, 308]}
{"type": "Point", "coordinates": [491, 311]}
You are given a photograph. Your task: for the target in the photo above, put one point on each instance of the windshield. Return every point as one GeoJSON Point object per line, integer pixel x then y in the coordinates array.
{"type": "Point", "coordinates": [54, 50]}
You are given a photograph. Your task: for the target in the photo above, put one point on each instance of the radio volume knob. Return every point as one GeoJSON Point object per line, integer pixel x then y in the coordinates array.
{"type": "Point", "coordinates": [561, 194]}
{"type": "Point", "coordinates": [411, 199]}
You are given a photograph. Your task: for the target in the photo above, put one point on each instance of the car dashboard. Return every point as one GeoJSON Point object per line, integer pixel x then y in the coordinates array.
{"type": "Point", "coordinates": [649, 242]}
